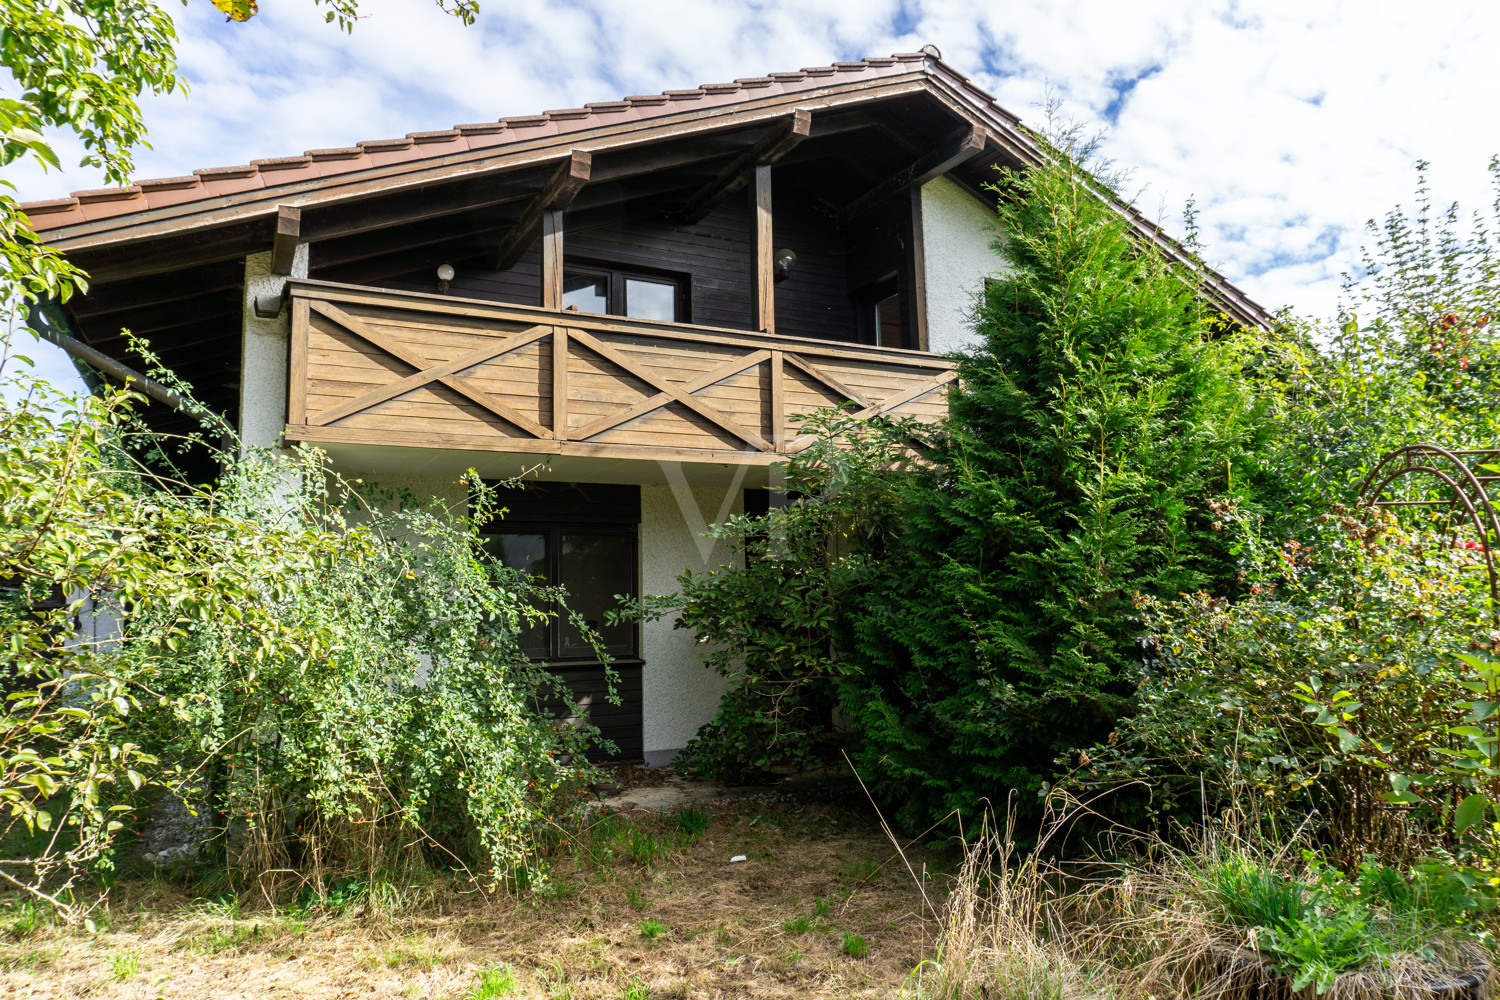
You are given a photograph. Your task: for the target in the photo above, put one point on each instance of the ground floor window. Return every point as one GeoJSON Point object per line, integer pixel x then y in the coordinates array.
{"type": "Point", "coordinates": [581, 537]}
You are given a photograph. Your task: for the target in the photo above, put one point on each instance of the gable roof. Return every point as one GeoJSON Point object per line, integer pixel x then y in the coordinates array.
{"type": "Point", "coordinates": [213, 198]}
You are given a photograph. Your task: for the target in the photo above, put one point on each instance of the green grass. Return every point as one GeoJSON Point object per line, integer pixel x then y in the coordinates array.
{"type": "Point", "coordinates": [799, 925]}
{"type": "Point", "coordinates": [854, 945]}
{"type": "Point", "coordinates": [635, 990]}
{"type": "Point", "coordinates": [496, 981]}
{"type": "Point", "coordinates": [1252, 895]}
{"type": "Point", "coordinates": [647, 847]}
{"type": "Point", "coordinates": [652, 929]}
{"type": "Point", "coordinates": [124, 964]}
{"type": "Point", "coordinates": [24, 918]}
{"type": "Point", "coordinates": [693, 821]}
{"type": "Point", "coordinates": [636, 898]}
{"type": "Point", "coordinates": [820, 907]}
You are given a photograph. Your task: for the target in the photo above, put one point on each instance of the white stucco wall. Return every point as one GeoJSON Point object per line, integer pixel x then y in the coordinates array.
{"type": "Point", "coordinates": [957, 233]}
{"type": "Point", "coordinates": [679, 693]}
{"type": "Point", "coordinates": [264, 353]}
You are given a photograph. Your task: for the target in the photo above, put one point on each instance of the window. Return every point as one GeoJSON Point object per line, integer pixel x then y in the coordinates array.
{"type": "Point", "coordinates": [581, 537]}
{"type": "Point", "coordinates": [593, 564]}
{"type": "Point", "coordinates": [879, 310]}
{"type": "Point", "coordinates": [639, 295]}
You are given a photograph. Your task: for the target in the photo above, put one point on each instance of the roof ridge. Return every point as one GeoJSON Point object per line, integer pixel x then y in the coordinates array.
{"type": "Point", "coordinates": [208, 182]}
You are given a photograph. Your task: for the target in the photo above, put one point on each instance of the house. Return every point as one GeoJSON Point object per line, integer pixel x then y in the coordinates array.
{"type": "Point", "coordinates": [632, 298]}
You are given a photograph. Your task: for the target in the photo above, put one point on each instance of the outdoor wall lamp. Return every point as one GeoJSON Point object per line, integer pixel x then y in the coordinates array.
{"type": "Point", "coordinates": [445, 274]}
{"type": "Point", "coordinates": [783, 259]}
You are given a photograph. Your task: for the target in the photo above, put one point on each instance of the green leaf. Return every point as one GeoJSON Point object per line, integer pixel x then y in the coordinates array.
{"type": "Point", "coordinates": [1470, 811]}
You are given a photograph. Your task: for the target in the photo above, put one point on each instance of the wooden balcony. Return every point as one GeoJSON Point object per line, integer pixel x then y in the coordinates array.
{"type": "Point", "coordinates": [376, 367]}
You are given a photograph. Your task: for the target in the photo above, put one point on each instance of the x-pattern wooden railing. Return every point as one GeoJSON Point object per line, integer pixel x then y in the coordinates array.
{"type": "Point", "coordinates": [903, 377]}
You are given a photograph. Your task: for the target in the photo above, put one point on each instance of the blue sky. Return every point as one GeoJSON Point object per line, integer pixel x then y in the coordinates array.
{"type": "Point", "coordinates": [1289, 123]}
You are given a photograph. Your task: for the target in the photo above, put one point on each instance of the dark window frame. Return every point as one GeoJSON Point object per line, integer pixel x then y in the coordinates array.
{"type": "Point", "coordinates": [616, 275]}
{"type": "Point", "coordinates": [553, 530]}
{"type": "Point", "coordinates": [866, 301]}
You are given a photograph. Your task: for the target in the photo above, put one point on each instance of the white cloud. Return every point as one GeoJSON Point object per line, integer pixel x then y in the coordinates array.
{"type": "Point", "coordinates": [1291, 123]}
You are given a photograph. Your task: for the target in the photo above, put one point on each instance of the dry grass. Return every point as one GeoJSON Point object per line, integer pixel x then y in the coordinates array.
{"type": "Point", "coordinates": [1146, 929]}
{"type": "Point", "coordinates": [750, 929]}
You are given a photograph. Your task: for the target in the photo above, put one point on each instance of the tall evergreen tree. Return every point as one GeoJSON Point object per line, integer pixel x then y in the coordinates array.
{"type": "Point", "coordinates": [1088, 434]}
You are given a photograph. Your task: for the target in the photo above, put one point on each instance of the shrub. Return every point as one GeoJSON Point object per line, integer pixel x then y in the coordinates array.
{"type": "Point", "coordinates": [769, 619]}
{"type": "Point", "coordinates": [1411, 356]}
{"type": "Point", "coordinates": [1087, 434]}
{"type": "Point", "coordinates": [332, 689]}
{"type": "Point", "coordinates": [1368, 615]}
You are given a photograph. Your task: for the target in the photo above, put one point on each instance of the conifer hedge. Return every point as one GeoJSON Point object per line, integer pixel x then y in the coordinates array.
{"type": "Point", "coordinates": [1092, 431]}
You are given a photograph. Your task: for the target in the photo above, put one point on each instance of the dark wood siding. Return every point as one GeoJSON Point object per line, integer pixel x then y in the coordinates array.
{"type": "Point", "coordinates": [813, 299]}
{"type": "Point", "coordinates": [590, 689]}
{"type": "Point", "coordinates": [714, 253]}
{"type": "Point", "coordinates": [521, 284]}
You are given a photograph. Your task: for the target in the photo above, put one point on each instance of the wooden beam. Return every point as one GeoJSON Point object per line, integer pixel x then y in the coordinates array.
{"type": "Point", "coordinates": [552, 259]}
{"type": "Point", "coordinates": [776, 401]}
{"type": "Point", "coordinates": [656, 402]}
{"type": "Point", "coordinates": [704, 409]}
{"type": "Point", "coordinates": [964, 146]}
{"type": "Point", "coordinates": [284, 243]}
{"type": "Point", "coordinates": [417, 380]}
{"type": "Point", "coordinates": [776, 143]}
{"type": "Point", "coordinates": [763, 295]}
{"type": "Point", "coordinates": [560, 383]}
{"type": "Point", "coordinates": [559, 192]}
{"type": "Point", "coordinates": [914, 264]}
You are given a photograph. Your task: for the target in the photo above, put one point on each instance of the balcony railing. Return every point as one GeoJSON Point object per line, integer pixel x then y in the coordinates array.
{"type": "Point", "coordinates": [377, 367]}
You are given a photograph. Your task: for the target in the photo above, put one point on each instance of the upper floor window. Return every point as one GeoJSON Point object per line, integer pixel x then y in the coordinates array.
{"type": "Point", "coordinates": [637, 294]}
{"type": "Point", "coordinates": [879, 311]}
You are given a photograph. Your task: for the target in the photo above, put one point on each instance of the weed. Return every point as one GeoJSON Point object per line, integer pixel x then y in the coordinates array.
{"type": "Point", "coordinates": [124, 964]}
{"type": "Point", "coordinates": [24, 919]}
{"type": "Point", "coordinates": [225, 906]}
{"type": "Point", "coordinates": [800, 925]}
{"type": "Point", "coordinates": [652, 929]}
{"type": "Point", "coordinates": [859, 870]}
{"type": "Point", "coordinates": [723, 936]}
{"type": "Point", "coordinates": [820, 907]}
{"type": "Point", "coordinates": [636, 898]}
{"type": "Point", "coordinates": [792, 957]}
{"type": "Point", "coordinates": [635, 990]}
{"type": "Point", "coordinates": [693, 822]}
{"type": "Point", "coordinates": [647, 848]}
{"type": "Point", "coordinates": [854, 945]}
{"type": "Point", "coordinates": [496, 981]}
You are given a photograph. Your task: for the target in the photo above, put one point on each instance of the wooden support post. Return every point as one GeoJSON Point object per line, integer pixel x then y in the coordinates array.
{"type": "Point", "coordinates": [284, 245]}
{"type": "Point", "coordinates": [777, 403]}
{"type": "Point", "coordinates": [763, 280]}
{"type": "Point", "coordinates": [296, 403]}
{"type": "Point", "coordinates": [552, 259]}
{"type": "Point", "coordinates": [914, 283]}
{"type": "Point", "coordinates": [560, 383]}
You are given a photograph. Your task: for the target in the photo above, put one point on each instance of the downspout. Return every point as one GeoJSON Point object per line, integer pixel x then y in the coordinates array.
{"type": "Point", "coordinates": [52, 324]}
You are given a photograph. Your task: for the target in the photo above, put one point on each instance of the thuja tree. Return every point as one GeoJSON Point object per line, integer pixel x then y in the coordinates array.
{"type": "Point", "coordinates": [1090, 432]}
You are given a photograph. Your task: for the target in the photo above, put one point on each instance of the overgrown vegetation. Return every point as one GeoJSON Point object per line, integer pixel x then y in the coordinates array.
{"type": "Point", "coordinates": [327, 680]}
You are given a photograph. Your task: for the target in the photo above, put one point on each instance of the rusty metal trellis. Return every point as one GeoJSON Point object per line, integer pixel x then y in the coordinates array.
{"type": "Point", "coordinates": [1466, 484]}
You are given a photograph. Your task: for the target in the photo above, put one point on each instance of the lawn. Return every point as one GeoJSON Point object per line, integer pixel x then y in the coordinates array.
{"type": "Point", "coordinates": [823, 906]}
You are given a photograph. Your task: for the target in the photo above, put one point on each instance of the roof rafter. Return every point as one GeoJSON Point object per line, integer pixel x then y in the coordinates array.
{"type": "Point", "coordinates": [964, 145]}
{"type": "Point", "coordinates": [778, 141]}
{"type": "Point", "coordinates": [561, 189]}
